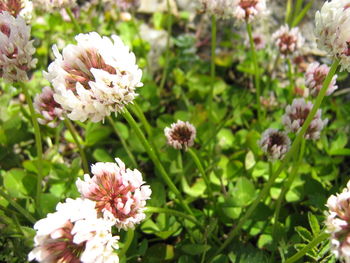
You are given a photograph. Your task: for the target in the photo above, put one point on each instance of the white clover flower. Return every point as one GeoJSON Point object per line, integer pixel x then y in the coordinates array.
{"type": "Point", "coordinates": [288, 41]}
{"type": "Point", "coordinates": [259, 41]}
{"type": "Point", "coordinates": [53, 5]}
{"type": "Point", "coordinates": [74, 233]}
{"type": "Point", "coordinates": [220, 8]}
{"type": "Point", "coordinates": [296, 115]}
{"type": "Point", "coordinates": [274, 143]}
{"type": "Point", "coordinates": [45, 104]}
{"type": "Point", "coordinates": [315, 76]}
{"type": "Point", "coordinates": [248, 9]}
{"type": "Point", "coordinates": [95, 77]}
{"type": "Point", "coordinates": [338, 224]}
{"type": "Point", "coordinates": [180, 135]}
{"type": "Point", "coordinates": [23, 8]}
{"type": "Point", "coordinates": [332, 30]}
{"type": "Point", "coordinates": [120, 193]}
{"type": "Point", "coordinates": [16, 48]}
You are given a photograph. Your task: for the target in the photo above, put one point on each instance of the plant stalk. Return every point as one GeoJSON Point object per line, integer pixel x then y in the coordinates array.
{"type": "Point", "coordinates": [256, 70]}
{"type": "Point", "coordinates": [73, 20]}
{"type": "Point", "coordinates": [123, 142]}
{"type": "Point", "coordinates": [74, 134]}
{"type": "Point", "coordinates": [39, 147]}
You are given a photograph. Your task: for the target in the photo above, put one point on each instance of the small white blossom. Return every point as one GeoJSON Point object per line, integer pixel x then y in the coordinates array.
{"type": "Point", "coordinates": [338, 224]}
{"type": "Point", "coordinates": [16, 48]}
{"type": "Point", "coordinates": [288, 41]}
{"type": "Point", "coordinates": [54, 5]}
{"type": "Point", "coordinates": [45, 104]}
{"type": "Point", "coordinates": [94, 78]}
{"type": "Point", "coordinates": [120, 193]}
{"type": "Point", "coordinates": [315, 76]}
{"type": "Point", "coordinates": [332, 30]}
{"type": "Point", "coordinates": [180, 135]}
{"type": "Point", "coordinates": [74, 233]}
{"type": "Point", "coordinates": [248, 9]}
{"type": "Point", "coordinates": [220, 8]}
{"type": "Point", "coordinates": [296, 115]}
{"type": "Point", "coordinates": [274, 143]}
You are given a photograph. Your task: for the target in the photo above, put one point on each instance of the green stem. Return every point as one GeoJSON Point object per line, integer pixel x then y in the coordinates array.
{"type": "Point", "coordinates": [174, 213]}
{"type": "Point", "coordinates": [256, 70]}
{"type": "Point", "coordinates": [127, 243]}
{"type": "Point", "coordinates": [150, 151]}
{"type": "Point", "coordinates": [212, 61]}
{"type": "Point", "coordinates": [288, 11]}
{"type": "Point", "coordinates": [74, 134]}
{"type": "Point", "coordinates": [73, 20]}
{"type": "Point", "coordinates": [20, 209]}
{"type": "Point", "coordinates": [291, 80]}
{"type": "Point", "coordinates": [317, 240]}
{"type": "Point", "coordinates": [141, 116]}
{"type": "Point", "coordinates": [202, 171]}
{"type": "Point", "coordinates": [167, 51]}
{"type": "Point", "coordinates": [265, 191]}
{"type": "Point", "coordinates": [286, 188]}
{"type": "Point", "coordinates": [39, 147]}
{"type": "Point", "coordinates": [126, 148]}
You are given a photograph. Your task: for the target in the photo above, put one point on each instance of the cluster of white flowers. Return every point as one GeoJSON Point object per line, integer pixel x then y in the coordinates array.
{"type": "Point", "coordinates": [275, 143]}
{"type": "Point", "coordinates": [248, 9]}
{"type": "Point", "coordinates": [124, 5]}
{"type": "Point", "coordinates": [332, 30]}
{"type": "Point", "coordinates": [16, 48]}
{"type": "Point", "coordinates": [120, 193]}
{"type": "Point", "coordinates": [338, 224]}
{"type": "Point", "coordinates": [80, 229]}
{"type": "Point", "coordinates": [288, 41]}
{"type": "Point", "coordinates": [315, 76]}
{"type": "Point", "coordinates": [74, 233]}
{"type": "Point", "coordinates": [180, 135]}
{"type": "Point", "coordinates": [50, 110]}
{"type": "Point", "coordinates": [95, 77]}
{"type": "Point", "coordinates": [53, 5]}
{"type": "Point", "coordinates": [296, 114]}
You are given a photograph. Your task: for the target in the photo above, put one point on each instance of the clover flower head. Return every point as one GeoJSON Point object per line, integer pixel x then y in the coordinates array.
{"type": "Point", "coordinates": [74, 233]}
{"type": "Point", "coordinates": [315, 76]}
{"type": "Point", "coordinates": [120, 193]}
{"type": "Point", "coordinates": [180, 135]}
{"type": "Point", "coordinates": [54, 5]}
{"type": "Point", "coordinates": [23, 8]}
{"type": "Point", "coordinates": [248, 9]}
{"type": "Point", "coordinates": [296, 115]}
{"type": "Point", "coordinates": [95, 77]}
{"type": "Point", "coordinates": [16, 48]}
{"type": "Point", "coordinates": [219, 8]}
{"type": "Point", "coordinates": [50, 110]}
{"type": "Point", "coordinates": [338, 224]}
{"type": "Point", "coordinates": [274, 143]}
{"type": "Point", "coordinates": [288, 41]}
{"type": "Point", "coordinates": [332, 30]}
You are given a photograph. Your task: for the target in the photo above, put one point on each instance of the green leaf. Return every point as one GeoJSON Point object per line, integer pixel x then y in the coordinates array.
{"type": "Point", "coordinates": [249, 160]}
{"type": "Point", "coordinates": [13, 182]}
{"type": "Point", "coordinates": [315, 227]}
{"type": "Point", "coordinates": [243, 192]}
{"type": "Point", "coordinates": [101, 155]}
{"type": "Point", "coordinates": [48, 203]}
{"type": "Point", "coordinates": [304, 233]}
{"type": "Point", "coordinates": [195, 249]}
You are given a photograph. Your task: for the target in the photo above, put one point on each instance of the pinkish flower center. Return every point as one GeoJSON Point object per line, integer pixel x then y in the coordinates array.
{"type": "Point", "coordinates": [248, 5]}
{"type": "Point", "coordinates": [91, 59]}
{"type": "Point", "coordinates": [112, 195]}
{"type": "Point", "coordinates": [257, 40]}
{"type": "Point", "coordinates": [287, 39]}
{"type": "Point", "coordinates": [346, 6]}
{"type": "Point", "coordinates": [5, 29]}
{"type": "Point", "coordinates": [182, 134]}
{"type": "Point", "coordinates": [63, 249]}
{"type": "Point", "coordinates": [48, 104]}
{"type": "Point", "coordinates": [14, 7]}
{"type": "Point", "coordinates": [319, 76]}
{"type": "Point", "coordinates": [276, 138]}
